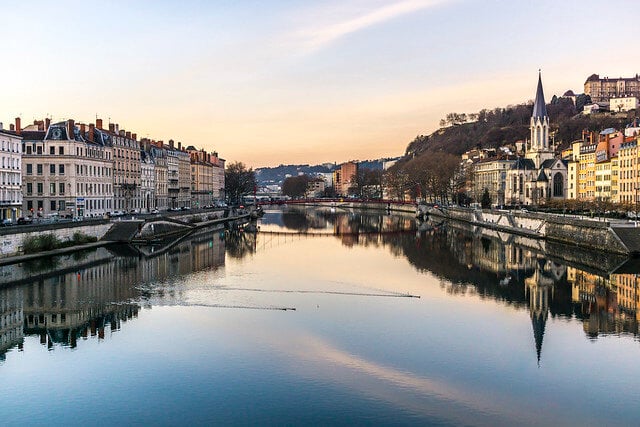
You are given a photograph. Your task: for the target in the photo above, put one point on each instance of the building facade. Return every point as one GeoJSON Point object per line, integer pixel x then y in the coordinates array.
{"type": "Point", "coordinates": [603, 89]}
{"type": "Point", "coordinates": [10, 176]}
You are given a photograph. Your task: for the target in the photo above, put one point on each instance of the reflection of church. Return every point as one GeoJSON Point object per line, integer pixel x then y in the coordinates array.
{"type": "Point", "coordinates": [540, 288]}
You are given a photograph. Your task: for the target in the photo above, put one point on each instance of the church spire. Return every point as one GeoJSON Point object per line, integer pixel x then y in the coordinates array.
{"type": "Point", "coordinates": [539, 106]}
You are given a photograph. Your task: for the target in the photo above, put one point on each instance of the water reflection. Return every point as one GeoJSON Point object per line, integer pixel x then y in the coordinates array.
{"type": "Point", "coordinates": [597, 289]}
{"type": "Point", "coordinates": [69, 298]}
{"type": "Point", "coordinates": [82, 300]}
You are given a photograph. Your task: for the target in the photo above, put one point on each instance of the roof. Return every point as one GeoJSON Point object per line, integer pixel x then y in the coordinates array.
{"type": "Point", "coordinates": [569, 93]}
{"type": "Point", "coordinates": [34, 135]}
{"type": "Point", "coordinates": [524, 164]}
{"type": "Point", "coordinates": [548, 163]}
{"type": "Point", "coordinates": [10, 133]}
{"type": "Point", "coordinates": [539, 106]}
{"type": "Point", "coordinates": [542, 177]}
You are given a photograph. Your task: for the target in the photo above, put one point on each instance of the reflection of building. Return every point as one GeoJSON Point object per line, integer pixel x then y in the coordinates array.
{"type": "Point", "coordinates": [539, 287]}
{"type": "Point", "coordinates": [10, 319]}
{"type": "Point", "coordinates": [611, 303]}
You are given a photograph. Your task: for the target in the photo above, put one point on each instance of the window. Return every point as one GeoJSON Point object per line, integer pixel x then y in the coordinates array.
{"type": "Point", "coordinates": [52, 188]}
{"type": "Point", "coordinates": [29, 169]}
{"type": "Point", "coordinates": [52, 150]}
{"type": "Point", "coordinates": [61, 169]}
{"type": "Point", "coordinates": [29, 151]}
{"type": "Point", "coordinates": [61, 150]}
{"type": "Point", "coordinates": [39, 169]}
{"type": "Point", "coordinates": [53, 205]}
{"type": "Point", "coordinates": [39, 187]}
{"type": "Point", "coordinates": [30, 205]}
{"type": "Point", "coordinates": [61, 188]}
{"type": "Point", "coordinates": [40, 205]}
{"type": "Point", "coordinates": [62, 205]}
{"type": "Point", "coordinates": [52, 169]}
{"type": "Point", "coordinates": [39, 149]}
{"type": "Point", "coordinates": [29, 188]}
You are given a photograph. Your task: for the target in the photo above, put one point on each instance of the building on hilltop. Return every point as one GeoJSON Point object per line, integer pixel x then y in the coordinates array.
{"type": "Point", "coordinates": [603, 89]}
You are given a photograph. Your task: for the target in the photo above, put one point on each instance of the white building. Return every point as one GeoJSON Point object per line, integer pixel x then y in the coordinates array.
{"type": "Point", "coordinates": [10, 176]}
{"type": "Point", "coordinates": [623, 104]}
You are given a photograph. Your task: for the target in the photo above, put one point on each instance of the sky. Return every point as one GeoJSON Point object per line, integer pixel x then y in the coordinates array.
{"type": "Point", "coordinates": [299, 82]}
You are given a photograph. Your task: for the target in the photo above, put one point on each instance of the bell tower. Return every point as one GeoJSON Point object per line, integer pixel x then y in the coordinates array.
{"type": "Point", "coordinates": [539, 149]}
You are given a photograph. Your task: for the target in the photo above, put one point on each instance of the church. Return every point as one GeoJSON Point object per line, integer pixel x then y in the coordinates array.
{"type": "Point", "coordinates": [538, 176]}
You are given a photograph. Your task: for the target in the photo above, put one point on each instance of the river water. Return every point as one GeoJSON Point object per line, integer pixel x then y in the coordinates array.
{"type": "Point", "coordinates": [323, 317]}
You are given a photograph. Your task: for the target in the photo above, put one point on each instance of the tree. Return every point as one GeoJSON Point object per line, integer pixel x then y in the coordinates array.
{"type": "Point", "coordinates": [295, 186]}
{"type": "Point", "coordinates": [238, 181]}
{"type": "Point", "coordinates": [486, 199]}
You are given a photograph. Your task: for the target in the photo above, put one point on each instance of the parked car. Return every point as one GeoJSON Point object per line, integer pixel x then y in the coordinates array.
{"type": "Point", "coordinates": [155, 211]}
{"type": "Point", "coordinates": [24, 221]}
{"type": "Point", "coordinates": [6, 222]}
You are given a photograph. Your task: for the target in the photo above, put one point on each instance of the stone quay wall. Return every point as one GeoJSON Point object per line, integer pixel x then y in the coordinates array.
{"type": "Point", "coordinates": [590, 234]}
{"type": "Point", "coordinates": [12, 238]}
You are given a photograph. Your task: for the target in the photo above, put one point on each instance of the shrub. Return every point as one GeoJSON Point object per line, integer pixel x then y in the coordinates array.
{"type": "Point", "coordinates": [43, 242]}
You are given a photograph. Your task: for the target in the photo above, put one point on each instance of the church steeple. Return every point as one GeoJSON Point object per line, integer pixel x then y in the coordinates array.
{"type": "Point", "coordinates": [539, 106]}
{"type": "Point", "coordinates": [539, 149]}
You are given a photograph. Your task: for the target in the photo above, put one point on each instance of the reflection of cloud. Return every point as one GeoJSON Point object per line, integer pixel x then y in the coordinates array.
{"type": "Point", "coordinates": [412, 393]}
{"type": "Point", "coordinates": [326, 33]}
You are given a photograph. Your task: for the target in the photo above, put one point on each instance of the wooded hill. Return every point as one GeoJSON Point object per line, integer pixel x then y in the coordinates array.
{"type": "Point", "coordinates": [504, 126]}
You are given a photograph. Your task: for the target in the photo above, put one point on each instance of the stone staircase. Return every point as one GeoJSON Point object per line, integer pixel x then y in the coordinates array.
{"type": "Point", "coordinates": [630, 236]}
{"type": "Point", "coordinates": [122, 231]}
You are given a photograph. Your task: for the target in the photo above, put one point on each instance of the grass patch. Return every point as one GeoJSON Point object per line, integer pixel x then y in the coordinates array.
{"type": "Point", "coordinates": [49, 242]}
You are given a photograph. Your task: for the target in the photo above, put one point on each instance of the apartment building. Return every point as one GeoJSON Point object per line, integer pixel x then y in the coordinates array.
{"type": "Point", "coordinates": [126, 166]}
{"type": "Point", "coordinates": [10, 175]}
{"type": "Point", "coordinates": [68, 172]}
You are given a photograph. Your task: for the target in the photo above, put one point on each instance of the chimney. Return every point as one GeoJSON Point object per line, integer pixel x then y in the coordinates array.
{"type": "Point", "coordinates": [112, 127]}
{"type": "Point", "coordinates": [47, 123]}
{"type": "Point", "coordinates": [12, 127]}
{"type": "Point", "coordinates": [171, 143]}
{"type": "Point", "coordinates": [117, 128]}
{"type": "Point", "coordinates": [83, 129]}
{"type": "Point", "coordinates": [128, 134]}
{"type": "Point", "coordinates": [1, 128]}
{"type": "Point", "coordinates": [134, 136]}
{"type": "Point", "coordinates": [71, 129]}
{"type": "Point", "coordinates": [99, 123]}
{"type": "Point", "coordinates": [179, 146]}
{"type": "Point", "coordinates": [120, 132]}
{"type": "Point", "coordinates": [18, 128]}
{"type": "Point", "coordinates": [91, 130]}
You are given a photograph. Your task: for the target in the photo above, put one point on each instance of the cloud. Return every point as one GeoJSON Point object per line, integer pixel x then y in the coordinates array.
{"type": "Point", "coordinates": [325, 33]}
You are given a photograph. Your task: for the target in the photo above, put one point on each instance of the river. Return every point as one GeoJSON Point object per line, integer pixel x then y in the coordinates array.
{"type": "Point", "coordinates": [322, 317]}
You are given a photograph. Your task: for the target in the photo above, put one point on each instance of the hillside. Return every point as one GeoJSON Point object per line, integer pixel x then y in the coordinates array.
{"type": "Point", "coordinates": [503, 126]}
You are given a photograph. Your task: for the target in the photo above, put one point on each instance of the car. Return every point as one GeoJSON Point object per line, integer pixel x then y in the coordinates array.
{"type": "Point", "coordinates": [6, 222]}
{"type": "Point", "coordinates": [155, 211]}
{"type": "Point", "coordinates": [24, 221]}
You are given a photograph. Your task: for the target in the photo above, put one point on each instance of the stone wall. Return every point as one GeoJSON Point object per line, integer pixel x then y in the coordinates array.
{"type": "Point", "coordinates": [12, 238]}
{"type": "Point", "coordinates": [591, 234]}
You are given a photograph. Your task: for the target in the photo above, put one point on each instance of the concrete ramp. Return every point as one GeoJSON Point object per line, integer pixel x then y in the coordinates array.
{"type": "Point", "coordinates": [122, 231]}
{"type": "Point", "coordinates": [630, 236]}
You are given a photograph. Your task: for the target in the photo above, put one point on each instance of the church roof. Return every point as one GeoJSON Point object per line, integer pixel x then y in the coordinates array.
{"type": "Point", "coordinates": [542, 177]}
{"type": "Point", "coordinates": [523, 164]}
{"type": "Point", "coordinates": [548, 163]}
{"type": "Point", "coordinates": [539, 106]}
